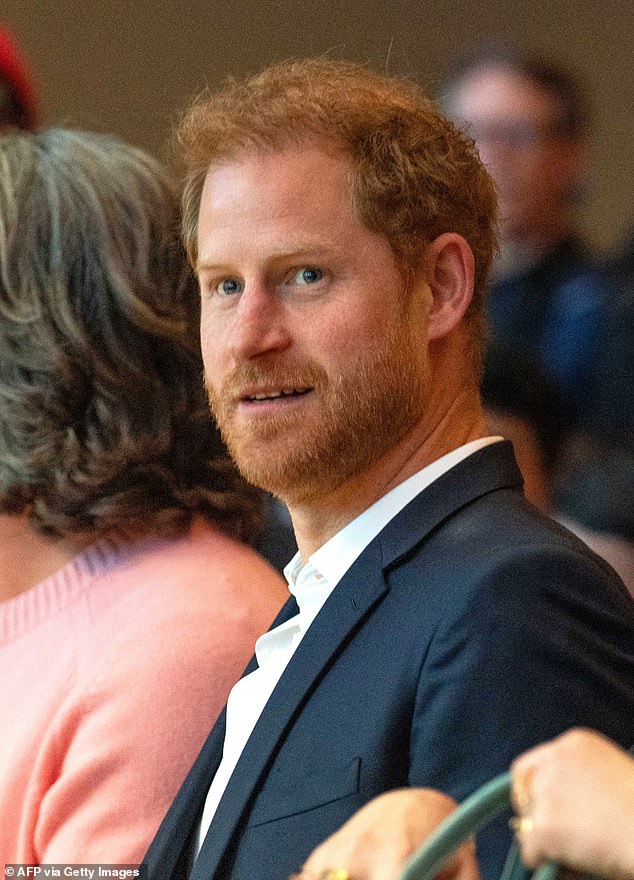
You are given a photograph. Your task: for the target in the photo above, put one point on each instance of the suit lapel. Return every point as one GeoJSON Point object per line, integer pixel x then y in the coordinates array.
{"type": "Point", "coordinates": [490, 468]}
{"type": "Point", "coordinates": [169, 851]}
{"type": "Point", "coordinates": [358, 591]}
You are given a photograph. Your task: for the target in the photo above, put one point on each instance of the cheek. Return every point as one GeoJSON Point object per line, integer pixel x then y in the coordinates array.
{"type": "Point", "coordinates": [536, 171]}
{"type": "Point", "coordinates": [346, 344]}
{"type": "Point", "coordinates": [361, 325]}
{"type": "Point", "coordinates": [205, 339]}
{"type": "Point", "coordinates": [211, 348]}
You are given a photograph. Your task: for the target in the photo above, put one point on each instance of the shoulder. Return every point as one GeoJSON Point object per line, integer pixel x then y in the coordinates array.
{"type": "Point", "coordinates": [201, 570]}
{"type": "Point", "coordinates": [193, 605]}
{"type": "Point", "coordinates": [499, 557]}
{"type": "Point", "coordinates": [529, 631]}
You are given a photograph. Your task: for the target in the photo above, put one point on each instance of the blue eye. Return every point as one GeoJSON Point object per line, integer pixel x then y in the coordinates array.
{"type": "Point", "coordinates": [309, 275]}
{"type": "Point", "coordinates": [229, 286]}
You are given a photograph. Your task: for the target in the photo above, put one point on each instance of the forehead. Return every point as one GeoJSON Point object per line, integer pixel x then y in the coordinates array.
{"type": "Point", "coordinates": [299, 191]}
{"type": "Point", "coordinates": [501, 92]}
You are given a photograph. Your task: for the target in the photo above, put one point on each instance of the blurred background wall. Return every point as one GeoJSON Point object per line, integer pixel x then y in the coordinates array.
{"type": "Point", "coordinates": [130, 66]}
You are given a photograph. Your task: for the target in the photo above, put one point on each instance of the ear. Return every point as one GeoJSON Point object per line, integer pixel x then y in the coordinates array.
{"type": "Point", "coordinates": [449, 264]}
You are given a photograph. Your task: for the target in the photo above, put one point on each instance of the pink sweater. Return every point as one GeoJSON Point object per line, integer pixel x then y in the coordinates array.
{"type": "Point", "coordinates": [112, 672]}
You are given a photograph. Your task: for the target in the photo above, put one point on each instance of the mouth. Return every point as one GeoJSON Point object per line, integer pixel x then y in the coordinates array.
{"type": "Point", "coordinates": [273, 395]}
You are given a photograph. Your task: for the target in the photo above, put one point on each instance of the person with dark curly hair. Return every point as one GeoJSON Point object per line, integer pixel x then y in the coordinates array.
{"type": "Point", "coordinates": [128, 602]}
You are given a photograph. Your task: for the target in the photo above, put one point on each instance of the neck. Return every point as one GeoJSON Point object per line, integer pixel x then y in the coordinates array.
{"type": "Point", "coordinates": [27, 557]}
{"type": "Point", "coordinates": [446, 426]}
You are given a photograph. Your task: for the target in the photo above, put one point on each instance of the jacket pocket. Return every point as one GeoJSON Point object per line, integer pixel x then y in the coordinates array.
{"type": "Point", "coordinates": [287, 795]}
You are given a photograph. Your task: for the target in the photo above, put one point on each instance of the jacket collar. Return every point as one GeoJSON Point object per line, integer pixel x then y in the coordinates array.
{"type": "Point", "coordinates": [491, 468]}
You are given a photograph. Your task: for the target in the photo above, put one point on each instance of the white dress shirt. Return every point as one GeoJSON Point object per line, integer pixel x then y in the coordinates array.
{"type": "Point", "coordinates": [311, 584]}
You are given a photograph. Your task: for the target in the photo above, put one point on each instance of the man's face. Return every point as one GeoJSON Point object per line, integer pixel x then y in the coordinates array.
{"type": "Point", "coordinates": [515, 126]}
{"type": "Point", "coordinates": [315, 355]}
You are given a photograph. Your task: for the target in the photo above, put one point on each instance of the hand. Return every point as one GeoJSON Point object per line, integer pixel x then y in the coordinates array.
{"type": "Point", "coordinates": [377, 841]}
{"type": "Point", "coordinates": [575, 796]}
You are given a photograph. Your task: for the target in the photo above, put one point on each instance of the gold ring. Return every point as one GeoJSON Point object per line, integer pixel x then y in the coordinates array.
{"type": "Point", "coordinates": [335, 874]}
{"type": "Point", "coordinates": [522, 825]}
{"type": "Point", "coordinates": [522, 790]}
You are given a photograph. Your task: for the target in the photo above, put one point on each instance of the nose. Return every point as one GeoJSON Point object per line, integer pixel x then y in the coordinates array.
{"type": "Point", "coordinates": [260, 324]}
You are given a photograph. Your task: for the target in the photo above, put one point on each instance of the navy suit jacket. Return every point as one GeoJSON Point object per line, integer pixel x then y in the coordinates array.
{"type": "Point", "coordinates": [470, 629]}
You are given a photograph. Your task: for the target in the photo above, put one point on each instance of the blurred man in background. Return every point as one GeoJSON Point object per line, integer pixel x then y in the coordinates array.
{"type": "Point", "coordinates": [529, 120]}
{"type": "Point", "coordinates": [549, 301]}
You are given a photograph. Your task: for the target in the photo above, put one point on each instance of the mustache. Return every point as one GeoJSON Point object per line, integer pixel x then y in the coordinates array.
{"type": "Point", "coordinates": [282, 375]}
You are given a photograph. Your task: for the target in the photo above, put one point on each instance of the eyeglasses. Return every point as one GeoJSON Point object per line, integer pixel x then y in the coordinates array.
{"type": "Point", "coordinates": [520, 134]}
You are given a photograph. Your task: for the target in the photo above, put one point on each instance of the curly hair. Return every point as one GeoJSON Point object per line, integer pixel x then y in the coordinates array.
{"type": "Point", "coordinates": [104, 425]}
{"type": "Point", "coordinates": [413, 175]}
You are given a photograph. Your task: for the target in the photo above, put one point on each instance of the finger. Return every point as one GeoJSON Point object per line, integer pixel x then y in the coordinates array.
{"type": "Point", "coordinates": [524, 828]}
{"type": "Point", "coordinates": [522, 788]}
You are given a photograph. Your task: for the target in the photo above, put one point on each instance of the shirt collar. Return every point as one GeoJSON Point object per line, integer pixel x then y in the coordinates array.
{"type": "Point", "coordinates": [333, 559]}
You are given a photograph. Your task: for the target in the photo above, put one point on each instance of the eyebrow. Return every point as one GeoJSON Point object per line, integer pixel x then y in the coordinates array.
{"type": "Point", "coordinates": [208, 266]}
{"type": "Point", "coordinates": [305, 251]}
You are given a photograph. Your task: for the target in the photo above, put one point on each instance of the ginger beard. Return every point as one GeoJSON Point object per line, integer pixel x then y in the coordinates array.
{"type": "Point", "coordinates": [352, 418]}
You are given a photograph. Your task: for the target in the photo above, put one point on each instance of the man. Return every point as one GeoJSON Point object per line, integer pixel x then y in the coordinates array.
{"type": "Point", "coordinates": [529, 119]}
{"type": "Point", "coordinates": [342, 232]}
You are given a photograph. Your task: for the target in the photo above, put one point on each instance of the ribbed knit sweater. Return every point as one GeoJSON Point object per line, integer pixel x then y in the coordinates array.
{"type": "Point", "coordinates": [112, 672]}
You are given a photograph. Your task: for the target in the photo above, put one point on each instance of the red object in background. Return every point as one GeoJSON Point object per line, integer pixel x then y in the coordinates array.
{"type": "Point", "coordinates": [14, 69]}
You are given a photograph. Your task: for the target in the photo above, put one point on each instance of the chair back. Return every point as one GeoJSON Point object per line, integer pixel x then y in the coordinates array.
{"type": "Point", "coordinates": [482, 807]}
